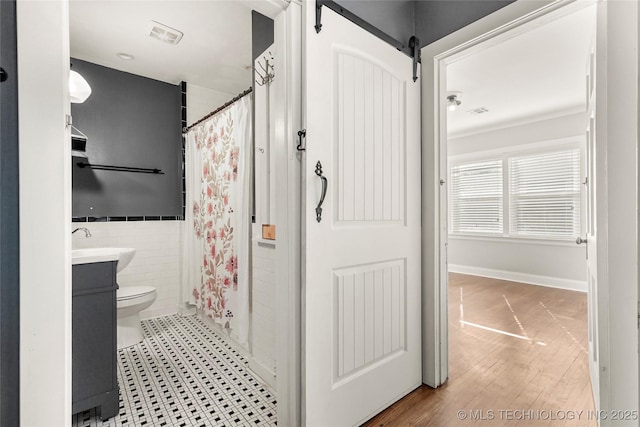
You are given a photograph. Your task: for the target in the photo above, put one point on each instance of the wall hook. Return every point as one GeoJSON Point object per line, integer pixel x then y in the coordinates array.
{"type": "Point", "coordinates": [301, 134]}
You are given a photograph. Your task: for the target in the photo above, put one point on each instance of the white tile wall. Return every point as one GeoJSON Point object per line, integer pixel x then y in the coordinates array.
{"type": "Point", "coordinates": [156, 262]}
{"type": "Point", "coordinates": [201, 101]}
{"type": "Point", "coordinates": [263, 320]}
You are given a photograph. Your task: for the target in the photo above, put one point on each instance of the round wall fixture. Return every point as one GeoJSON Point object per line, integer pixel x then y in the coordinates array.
{"type": "Point", "coordinates": [453, 100]}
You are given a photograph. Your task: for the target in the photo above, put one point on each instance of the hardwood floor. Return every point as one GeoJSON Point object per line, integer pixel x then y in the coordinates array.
{"type": "Point", "coordinates": [518, 357]}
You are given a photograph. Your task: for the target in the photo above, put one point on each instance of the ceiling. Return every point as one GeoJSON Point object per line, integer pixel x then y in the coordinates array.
{"type": "Point", "coordinates": [535, 75]}
{"type": "Point", "coordinates": [215, 51]}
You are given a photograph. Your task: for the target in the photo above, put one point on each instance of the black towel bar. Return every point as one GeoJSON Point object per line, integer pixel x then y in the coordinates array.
{"type": "Point", "coordinates": [119, 168]}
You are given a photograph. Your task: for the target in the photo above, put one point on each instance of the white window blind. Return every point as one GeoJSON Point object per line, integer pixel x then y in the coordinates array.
{"type": "Point", "coordinates": [476, 197]}
{"type": "Point", "coordinates": [544, 193]}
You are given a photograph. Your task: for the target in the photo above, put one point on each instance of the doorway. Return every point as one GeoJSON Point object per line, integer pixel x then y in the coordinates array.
{"type": "Point", "coordinates": [135, 115]}
{"type": "Point", "coordinates": [40, 97]}
{"type": "Point", "coordinates": [521, 15]}
{"type": "Point", "coordinates": [516, 115]}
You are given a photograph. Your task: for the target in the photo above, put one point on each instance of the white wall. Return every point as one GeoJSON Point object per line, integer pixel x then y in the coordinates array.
{"type": "Point", "coordinates": [544, 130]}
{"type": "Point", "coordinates": [156, 262]}
{"type": "Point", "coordinates": [263, 310]}
{"type": "Point", "coordinates": [45, 209]}
{"type": "Point", "coordinates": [558, 264]}
{"type": "Point", "coordinates": [263, 287]}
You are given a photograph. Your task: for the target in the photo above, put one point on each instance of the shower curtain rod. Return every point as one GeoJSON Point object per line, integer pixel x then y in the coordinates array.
{"type": "Point", "coordinates": [217, 110]}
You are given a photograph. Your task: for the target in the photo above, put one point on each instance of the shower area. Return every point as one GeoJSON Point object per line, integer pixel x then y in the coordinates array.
{"type": "Point", "coordinates": [210, 336]}
{"type": "Point", "coordinates": [228, 258]}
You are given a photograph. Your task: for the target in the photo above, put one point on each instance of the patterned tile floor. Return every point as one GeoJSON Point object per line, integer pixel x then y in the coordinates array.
{"type": "Point", "coordinates": [185, 374]}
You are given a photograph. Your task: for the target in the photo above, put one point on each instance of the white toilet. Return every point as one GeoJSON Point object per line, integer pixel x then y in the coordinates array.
{"type": "Point", "coordinates": [131, 300]}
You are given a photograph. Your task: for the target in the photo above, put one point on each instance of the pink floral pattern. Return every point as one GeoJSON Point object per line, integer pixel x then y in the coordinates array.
{"type": "Point", "coordinates": [214, 221]}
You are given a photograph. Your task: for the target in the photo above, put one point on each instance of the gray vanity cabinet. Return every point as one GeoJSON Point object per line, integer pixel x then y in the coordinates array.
{"type": "Point", "coordinates": [94, 353]}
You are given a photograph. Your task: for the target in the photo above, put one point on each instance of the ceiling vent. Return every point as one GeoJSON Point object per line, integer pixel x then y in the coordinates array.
{"type": "Point", "coordinates": [479, 110]}
{"type": "Point", "coordinates": [164, 33]}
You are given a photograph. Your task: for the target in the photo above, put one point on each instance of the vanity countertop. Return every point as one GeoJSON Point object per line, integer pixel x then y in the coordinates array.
{"type": "Point", "coordinates": [90, 255]}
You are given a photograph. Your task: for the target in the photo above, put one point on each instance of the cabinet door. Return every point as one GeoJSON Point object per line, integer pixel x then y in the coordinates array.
{"type": "Point", "coordinates": [94, 332]}
{"type": "Point", "coordinates": [94, 368]}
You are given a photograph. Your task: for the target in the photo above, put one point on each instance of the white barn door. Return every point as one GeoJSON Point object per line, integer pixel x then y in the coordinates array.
{"type": "Point", "coordinates": [361, 302]}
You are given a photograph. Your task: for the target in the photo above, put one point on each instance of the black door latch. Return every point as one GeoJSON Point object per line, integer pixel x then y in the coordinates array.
{"type": "Point", "coordinates": [3, 75]}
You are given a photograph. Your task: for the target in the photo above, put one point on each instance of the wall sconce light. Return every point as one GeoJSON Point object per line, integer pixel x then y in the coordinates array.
{"type": "Point", "coordinates": [452, 100]}
{"type": "Point", "coordinates": [79, 89]}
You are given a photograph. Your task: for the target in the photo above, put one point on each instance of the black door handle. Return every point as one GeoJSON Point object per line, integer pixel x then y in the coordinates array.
{"type": "Point", "coordinates": [324, 191]}
{"type": "Point", "coordinates": [3, 75]}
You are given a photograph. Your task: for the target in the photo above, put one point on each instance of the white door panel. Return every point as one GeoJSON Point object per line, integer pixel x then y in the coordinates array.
{"type": "Point", "coordinates": [362, 342]}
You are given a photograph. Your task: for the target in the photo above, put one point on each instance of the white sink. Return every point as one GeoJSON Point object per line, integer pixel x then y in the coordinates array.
{"type": "Point", "coordinates": [89, 255]}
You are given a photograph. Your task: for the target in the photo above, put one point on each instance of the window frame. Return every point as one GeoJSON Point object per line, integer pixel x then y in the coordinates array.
{"type": "Point", "coordinates": [451, 198]}
{"type": "Point", "coordinates": [503, 154]}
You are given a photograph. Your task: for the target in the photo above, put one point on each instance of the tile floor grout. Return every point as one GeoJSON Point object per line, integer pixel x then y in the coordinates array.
{"type": "Point", "coordinates": [185, 374]}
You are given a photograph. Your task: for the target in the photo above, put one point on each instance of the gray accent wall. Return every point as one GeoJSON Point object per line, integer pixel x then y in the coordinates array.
{"type": "Point", "coordinates": [262, 34]}
{"type": "Point", "coordinates": [394, 17]}
{"type": "Point", "coordinates": [129, 121]}
{"type": "Point", "coordinates": [9, 223]}
{"type": "Point", "coordinates": [429, 20]}
{"type": "Point", "coordinates": [435, 19]}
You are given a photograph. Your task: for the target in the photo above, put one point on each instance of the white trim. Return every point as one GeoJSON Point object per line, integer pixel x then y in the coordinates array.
{"type": "Point", "coordinates": [513, 276]}
{"type": "Point", "coordinates": [45, 186]}
{"type": "Point", "coordinates": [185, 309]}
{"type": "Point", "coordinates": [269, 8]}
{"type": "Point", "coordinates": [263, 372]}
{"type": "Point", "coordinates": [513, 239]}
{"type": "Point", "coordinates": [286, 122]}
{"type": "Point", "coordinates": [161, 312]}
{"type": "Point", "coordinates": [265, 242]}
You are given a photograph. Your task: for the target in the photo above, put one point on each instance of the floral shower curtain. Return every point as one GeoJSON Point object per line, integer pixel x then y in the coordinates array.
{"type": "Point", "coordinates": [217, 219]}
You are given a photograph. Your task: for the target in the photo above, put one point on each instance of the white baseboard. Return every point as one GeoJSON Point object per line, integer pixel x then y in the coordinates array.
{"type": "Point", "coordinates": [551, 282]}
{"type": "Point", "coordinates": [263, 372]}
{"type": "Point", "coordinates": [158, 312]}
{"type": "Point", "coordinates": [187, 310]}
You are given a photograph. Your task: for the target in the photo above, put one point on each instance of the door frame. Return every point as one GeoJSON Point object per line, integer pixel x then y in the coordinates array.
{"type": "Point", "coordinates": [617, 250]}
{"type": "Point", "coordinates": [287, 122]}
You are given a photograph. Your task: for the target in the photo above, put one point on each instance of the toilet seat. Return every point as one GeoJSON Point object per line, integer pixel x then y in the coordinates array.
{"type": "Point", "coordinates": [129, 292]}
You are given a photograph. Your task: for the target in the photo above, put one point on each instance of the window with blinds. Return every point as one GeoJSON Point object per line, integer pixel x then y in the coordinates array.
{"type": "Point", "coordinates": [544, 194]}
{"type": "Point", "coordinates": [476, 197]}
